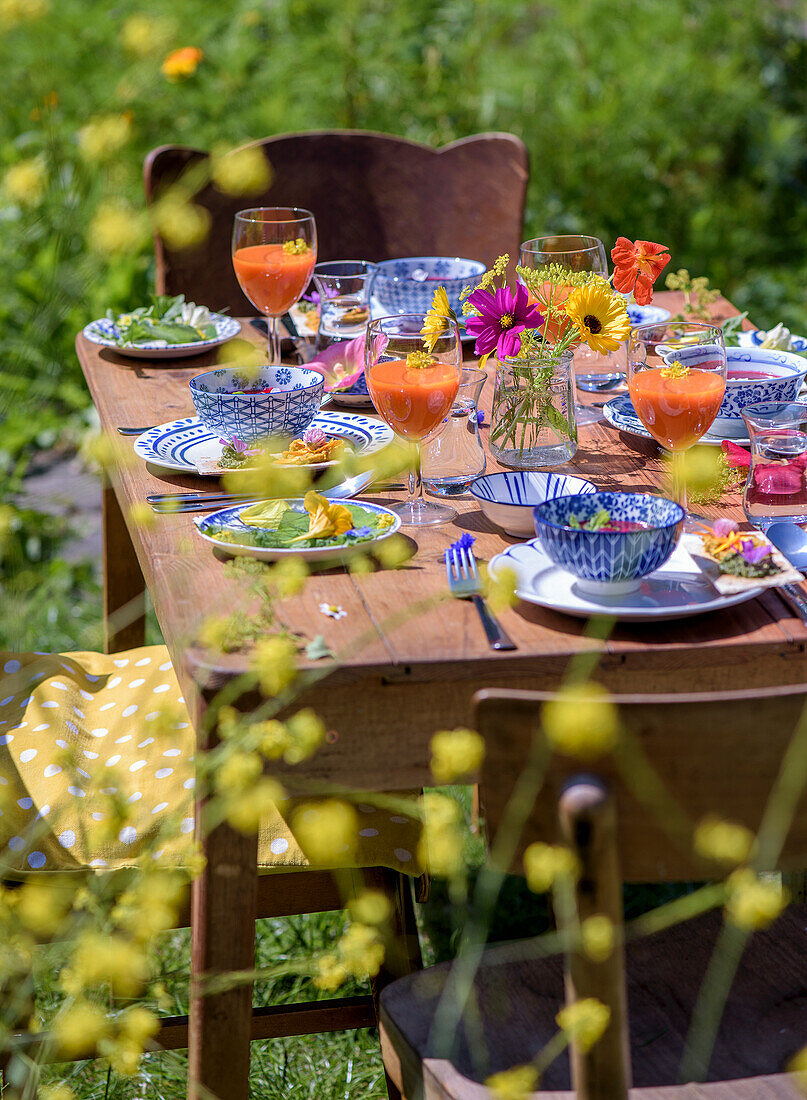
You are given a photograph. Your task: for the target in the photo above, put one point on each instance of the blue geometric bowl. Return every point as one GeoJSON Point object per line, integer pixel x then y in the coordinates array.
{"type": "Point", "coordinates": [609, 562]}
{"type": "Point", "coordinates": [787, 371]}
{"type": "Point", "coordinates": [648, 315]}
{"type": "Point", "coordinates": [398, 291]}
{"type": "Point", "coordinates": [288, 410]}
{"type": "Point", "coordinates": [508, 498]}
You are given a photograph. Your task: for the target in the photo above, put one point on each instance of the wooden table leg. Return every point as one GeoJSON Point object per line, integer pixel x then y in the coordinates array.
{"type": "Point", "coordinates": [124, 587]}
{"type": "Point", "coordinates": [223, 902]}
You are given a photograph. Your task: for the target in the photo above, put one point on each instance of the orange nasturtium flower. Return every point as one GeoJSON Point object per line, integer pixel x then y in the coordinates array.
{"type": "Point", "coordinates": [182, 63]}
{"type": "Point", "coordinates": [637, 265]}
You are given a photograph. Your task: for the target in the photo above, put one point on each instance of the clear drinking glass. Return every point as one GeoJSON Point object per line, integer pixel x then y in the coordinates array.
{"type": "Point", "coordinates": [274, 250]}
{"type": "Point", "coordinates": [454, 456]}
{"type": "Point", "coordinates": [344, 300]}
{"type": "Point", "coordinates": [576, 252]}
{"type": "Point", "coordinates": [532, 421]}
{"type": "Point", "coordinates": [413, 391]}
{"type": "Point", "coordinates": [676, 378]}
{"type": "Point", "coordinates": [776, 487]}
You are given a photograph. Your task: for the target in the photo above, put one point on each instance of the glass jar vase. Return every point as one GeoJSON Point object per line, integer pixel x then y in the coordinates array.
{"type": "Point", "coordinates": [532, 423]}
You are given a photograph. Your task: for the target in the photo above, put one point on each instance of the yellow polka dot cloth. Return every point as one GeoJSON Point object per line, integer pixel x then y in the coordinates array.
{"type": "Point", "coordinates": [96, 769]}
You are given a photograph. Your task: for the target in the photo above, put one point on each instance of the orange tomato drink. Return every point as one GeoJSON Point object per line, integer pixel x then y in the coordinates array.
{"type": "Point", "coordinates": [273, 279]}
{"type": "Point", "coordinates": [676, 410]}
{"type": "Point", "coordinates": [413, 401]}
{"type": "Point", "coordinates": [555, 295]}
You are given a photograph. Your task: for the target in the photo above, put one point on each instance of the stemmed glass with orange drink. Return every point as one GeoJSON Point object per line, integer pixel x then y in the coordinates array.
{"type": "Point", "coordinates": [413, 391]}
{"type": "Point", "coordinates": [677, 378]}
{"type": "Point", "coordinates": [274, 251]}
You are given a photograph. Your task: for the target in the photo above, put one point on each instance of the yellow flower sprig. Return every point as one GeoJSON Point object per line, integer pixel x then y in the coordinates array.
{"type": "Point", "coordinates": [435, 321]}
{"type": "Point", "coordinates": [296, 248]}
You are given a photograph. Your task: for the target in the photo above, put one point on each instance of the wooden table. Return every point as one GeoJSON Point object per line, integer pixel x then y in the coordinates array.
{"type": "Point", "coordinates": [405, 682]}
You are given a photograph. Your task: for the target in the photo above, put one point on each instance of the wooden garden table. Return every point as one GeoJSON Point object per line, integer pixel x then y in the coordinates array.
{"type": "Point", "coordinates": [395, 684]}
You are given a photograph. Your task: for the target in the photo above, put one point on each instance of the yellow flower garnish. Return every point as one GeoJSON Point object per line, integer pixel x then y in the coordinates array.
{"type": "Point", "coordinates": [513, 1084]}
{"type": "Point", "coordinates": [675, 370]}
{"type": "Point", "coordinates": [435, 321]}
{"type": "Point", "coordinates": [600, 316]}
{"type": "Point", "coordinates": [326, 519]}
{"type": "Point", "coordinates": [723, 841]}
{"type": "Point", "coordinates": [456, 753]}
{"type": "Point", "coordinates": [753, 902]}
{"type": "Point", "coordinates": [296, 248]}
{"type": "Point", "coordinates": [545, 863]}
{"type": "Point", "coordinates": [420, 360]}
{"type": "Point", "coordinates": [584, 1022]}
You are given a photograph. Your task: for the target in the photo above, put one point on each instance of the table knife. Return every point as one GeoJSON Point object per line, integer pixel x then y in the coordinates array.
{"type": "Point", "coordinates": [795, 599]}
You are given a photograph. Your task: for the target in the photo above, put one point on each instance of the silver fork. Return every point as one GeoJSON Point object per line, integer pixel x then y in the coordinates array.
{"type": "Point", "coordinates": [464, 582]}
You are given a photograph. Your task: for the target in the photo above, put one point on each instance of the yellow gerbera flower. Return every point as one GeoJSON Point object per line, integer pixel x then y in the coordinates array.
{"type": "Point", "coordinates": [600, 316]}
{"type": "Point", "coordinates": [434, 324]}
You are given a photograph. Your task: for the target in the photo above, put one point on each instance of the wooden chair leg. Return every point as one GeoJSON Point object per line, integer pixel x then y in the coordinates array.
{"type": "Point", "coordinates": [588, 825]}
{"type": "Point", "coordinates": [124, 587]}
{"type": "Point", "coordinates": [222, 940]}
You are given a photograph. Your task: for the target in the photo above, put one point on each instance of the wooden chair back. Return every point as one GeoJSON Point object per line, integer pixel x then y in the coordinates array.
{"type": "Point", "coordinates": [374, 196]}
{"type": "Point", "coordinates": [712, 755]}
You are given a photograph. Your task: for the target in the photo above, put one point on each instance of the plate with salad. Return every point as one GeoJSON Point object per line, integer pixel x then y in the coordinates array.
{"type": "Point", "coordinates": [168, 328]}
{"type": "Point", "coordinates": [313, 528]}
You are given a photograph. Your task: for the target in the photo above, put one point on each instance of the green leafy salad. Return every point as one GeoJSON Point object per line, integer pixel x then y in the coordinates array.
{"type": "Point", "coordinates": [170, 320]}
{"type": "Point", "coordinates": [276, 525]}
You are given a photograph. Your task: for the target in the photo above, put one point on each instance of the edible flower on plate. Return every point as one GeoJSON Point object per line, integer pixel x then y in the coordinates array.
{"type": "Point", "coordinates": [327, 519]}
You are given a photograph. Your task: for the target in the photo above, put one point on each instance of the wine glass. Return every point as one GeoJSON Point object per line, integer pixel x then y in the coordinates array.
{"type": "Point", "coordinates": [274, 250]}
{"type": "Point", "coordinates": [577, 253]}
{"type": "Point", "coordinates": [676, 378]}
{"type": "Point", "coordinates": [413, 391]}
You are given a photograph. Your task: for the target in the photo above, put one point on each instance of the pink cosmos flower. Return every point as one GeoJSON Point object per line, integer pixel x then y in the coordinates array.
{"type": "Point", "coordinates": [503, 316]}
{"type": "Point", "coordinates": [341, 365]}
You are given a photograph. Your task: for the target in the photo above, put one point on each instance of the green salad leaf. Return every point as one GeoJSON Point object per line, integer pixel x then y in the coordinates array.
{"type": "Point", "coordinates": [367, 525]}
{"type": "Point", "coordinates": [170, 320]}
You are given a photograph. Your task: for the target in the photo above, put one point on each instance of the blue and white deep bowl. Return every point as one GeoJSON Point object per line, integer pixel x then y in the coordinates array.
{"type": "Point", "coordinates": [408, 285]}
{"type": "Point", "coordinates": [288, 410]}
{"type": "Point", "coordinates": [787, 371]}
{"type": "Point", "coordinates": [648, 315]}
{"type": "Point", "coordinates": [508, 498]}
{"type": "Point", "coordinates": [609, 562]}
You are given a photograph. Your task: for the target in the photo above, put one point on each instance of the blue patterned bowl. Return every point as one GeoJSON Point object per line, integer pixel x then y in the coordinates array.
{"type": "Point", "coordinates": [408, 286]}
{"type": "Point", "coordinates": [648, 315]}
{"type": "Point", "coordinates": [508, 498]}
{"type": "Point", "coordinates": [609, 562]}
{"type": "Point", "coordinates": [787, 373]}
{"type": "Point", "coordinates": [288, 410]}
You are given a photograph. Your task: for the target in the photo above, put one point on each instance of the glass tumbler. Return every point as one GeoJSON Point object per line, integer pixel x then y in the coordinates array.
{"type": "Point", "coordinates": [454, 456]}
{"type": "Point", "coordinates": [344, 300]}
{"type": "Point", "coordinates": [776, 487]}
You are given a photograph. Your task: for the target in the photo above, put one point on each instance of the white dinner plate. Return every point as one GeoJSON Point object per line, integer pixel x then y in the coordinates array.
{"type": "Point", "coordinates": [230, 518]}
{"type": "Point", "coordinates": [675, 591]}
{"type": "Point", "coordinates": [101, 332]}
{"type": "Point", "coordinates": [176, 446]}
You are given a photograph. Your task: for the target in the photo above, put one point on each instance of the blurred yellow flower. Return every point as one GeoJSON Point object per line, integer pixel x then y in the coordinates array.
{"type": "Point", "coordinates": [584, 1022]}
{"type": "Point", "coordinates": [545, 863]}
{"type": "Point", "coordinates": [274, 661]}
{"type": "Point", "coordinates": [371, 907]}
{"type": "Point", "coordinates": [393, 551]}
{"type": "Point", "coordinates": [330, 973]}
{"type": "Point", "coordinates": [441, 844]}
{"type": "Point", "coordinates": [246, 809]}
{"type": "Point", "coordinates": [238, 771]}
{"type": "Point", "coordinates": [598, 936]}
{"type": "Point", "coordinates": [15, 12]}
{"type": "Point", "coordinates": [42, 906]}
{"type": "Point", "coordinates": [142, 35]}
{"type": "Point", "coordinates": [109, 959]}
{"type": "Point", "coordinates": [798, 1067]}
{"type": "Point", "coordinates": [78, 1029]}
{"type": "Point", "coordinates": [500, 589]}
{"type": "Point", "coordinates": [287, 578]}
{"type": "Point", "coordinates": [456, 753]}
{"type": "Point", "coordinates": [326, 831]}
{"type": "Point", "coordinates": [180, 223]}
{"type": "Point", "coordinates": [143, 515]}
{"type": "Point", "coordinates": [104, 451]}
{"type": "Point", "coordinates": [116, 229]}
{"type": "Point", "coordinates": [753, 902]}
{"type": "Point", "coordinates": [182, 63]}
{"type": "Point", "coordinates": [56, 1092]}
{"type": "Point", "coordinates": [104, 136]}
{"type": "Point", "coordinates": [723, 841]}
{"type": "Point", "coordinates": [581, 721]}
{"type": "Point", "coordinates": [123, 1055]}
{"type": "Point", "coordinates": [242, 171]}
{"type": "Point", "coordinates": [513, 1084]}
{"type": "Point", "coordinates": [25, 183]}
{"type": "Point", "coordinates": [306, 733]}
{"type": "Point", "coordinates": [361, 951]}
{"type": "Point", "coordinates": [138, 1024]}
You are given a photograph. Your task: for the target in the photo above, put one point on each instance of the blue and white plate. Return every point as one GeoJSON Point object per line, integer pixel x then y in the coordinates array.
{"type": "Point", "coordinates": [103, 331]}
{"type": "Point", "coordinates": [178, 445]}
{"type": "Point", "coordinates": [620, 414]}
{"type": "Point", "coordinates": [675, 591]}
{"type": "Point", "coordinates": [754, 338]}
{"type": "Point", "coordinates": [230, 518]}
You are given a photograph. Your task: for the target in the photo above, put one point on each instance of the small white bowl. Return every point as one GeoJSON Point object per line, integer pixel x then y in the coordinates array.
{"type": "Point", "coordinates": [507, 498]}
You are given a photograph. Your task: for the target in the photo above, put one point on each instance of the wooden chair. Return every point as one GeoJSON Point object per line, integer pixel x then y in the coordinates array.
{"type": "Point", "coordinates": [374, 196]}
{"type": "Point", "coordinates": [716, 755]}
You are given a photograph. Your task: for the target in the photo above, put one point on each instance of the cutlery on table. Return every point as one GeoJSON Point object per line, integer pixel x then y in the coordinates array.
{"type": "Point", "coordinates": [791, 540]}
{"type": "Point", "coordinates": [795, 599]}
{"type": "Point", "coordinates": [135, 431]}
{"type": "Point", "coordinates": [600, 383]}
{"type": "Point", "coordinates": [464, 582]}
{"type": "Point", "coordinates": [207, 502]}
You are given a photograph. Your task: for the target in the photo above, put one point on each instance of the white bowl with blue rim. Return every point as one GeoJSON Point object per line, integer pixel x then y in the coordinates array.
{"type": "Point", "coordinates": [294, 401]}
{"type": "Point", "coordinates": [648, 315]}
{"type": "Point", "coordinates": [408, 285]}
{"type": "Point", "coordinates": [609, 563]}
{"type": "Point", "coordinates": [753, 375]}
{"type": "Point", "coordinates": [508, 498]}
